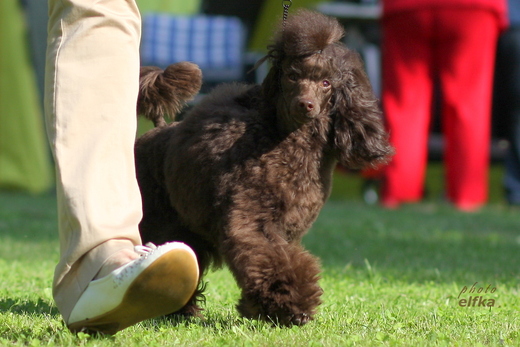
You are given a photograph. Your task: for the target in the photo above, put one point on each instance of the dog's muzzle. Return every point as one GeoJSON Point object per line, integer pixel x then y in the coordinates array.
{"type": "Point", "coordinates": [304, 109]}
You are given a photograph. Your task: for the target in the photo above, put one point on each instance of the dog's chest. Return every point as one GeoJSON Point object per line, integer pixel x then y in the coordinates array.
{"type": "Point", "coordinates": [288, 186]}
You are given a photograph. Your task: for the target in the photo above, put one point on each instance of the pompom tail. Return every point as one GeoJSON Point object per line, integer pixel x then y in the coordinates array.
{"type": "Point", "coordinates": [163, 93]}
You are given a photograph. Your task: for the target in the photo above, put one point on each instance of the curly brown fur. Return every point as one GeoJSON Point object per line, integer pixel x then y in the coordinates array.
{"type": "Point", "coordinates": [165, 93]}
{"type": "Point", "coordinates": [243, 177]}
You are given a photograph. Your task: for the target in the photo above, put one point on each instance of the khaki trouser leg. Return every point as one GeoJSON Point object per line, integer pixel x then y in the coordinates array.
{"type": "Point", "coordinates": [91, 91]}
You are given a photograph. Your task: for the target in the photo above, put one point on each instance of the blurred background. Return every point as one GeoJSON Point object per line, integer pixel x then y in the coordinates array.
{"type": "Point", "coordinates": [225, 37]}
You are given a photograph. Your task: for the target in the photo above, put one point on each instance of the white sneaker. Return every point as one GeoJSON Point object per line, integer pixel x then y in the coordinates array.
{"type": "Point", "coordinates": [160, 282]}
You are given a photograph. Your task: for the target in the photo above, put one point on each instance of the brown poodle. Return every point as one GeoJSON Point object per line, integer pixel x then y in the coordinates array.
{"type": "Point", "coordinates": [243, 177]}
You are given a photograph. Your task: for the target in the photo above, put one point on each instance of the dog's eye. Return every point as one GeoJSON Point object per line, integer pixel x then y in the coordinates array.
{"type": "Point", "coordinates": [325, 83]}
{"type": "Point", "coordinates": [292, 77]}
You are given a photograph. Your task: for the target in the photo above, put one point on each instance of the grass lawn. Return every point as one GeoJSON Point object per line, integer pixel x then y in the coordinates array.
{"type": "Point", "coordinates": [390, 278]}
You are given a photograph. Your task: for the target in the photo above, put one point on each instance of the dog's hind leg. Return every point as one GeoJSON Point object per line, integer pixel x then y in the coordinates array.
{"type": "Point", "coordinates": [161, 224]}
{"type": "Point", "coordinates": [205, 257]}
{"type": "Point", "coordinates": [278, 279]}
{"type": "Point", "coordinates": [168, 228]}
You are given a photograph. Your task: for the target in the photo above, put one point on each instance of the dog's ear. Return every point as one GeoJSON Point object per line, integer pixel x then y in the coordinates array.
{"type": "Point", "coordinates": [271, 86]}
{"type": "Point", "coordinates": [359, 138]}
{"type": "Point", "coordinates": [164, 93]}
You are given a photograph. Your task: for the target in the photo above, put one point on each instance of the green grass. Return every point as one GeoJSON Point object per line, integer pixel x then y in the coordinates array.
{"type": "Point", "coordinates": [390, 278]}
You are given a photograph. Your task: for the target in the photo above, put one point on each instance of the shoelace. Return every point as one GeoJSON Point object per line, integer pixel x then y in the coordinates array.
{"type": "Point", "coordinates": [145, 250]}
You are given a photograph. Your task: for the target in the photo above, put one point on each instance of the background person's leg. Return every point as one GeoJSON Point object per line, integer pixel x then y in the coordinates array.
{"type": "Point", "coordinates": [507, 102]}
{"type": "Point", "coordinates": [406, 97]}
{"type": "Point", "coordinates": [466, 55]}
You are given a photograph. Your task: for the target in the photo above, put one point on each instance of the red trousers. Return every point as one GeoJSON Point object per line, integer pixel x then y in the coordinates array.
{"type": "Point", "coordinates": [456, 48]}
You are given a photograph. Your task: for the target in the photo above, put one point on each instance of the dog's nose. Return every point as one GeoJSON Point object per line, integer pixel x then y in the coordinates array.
{"type": "Point", "coordinates": [306, 105]}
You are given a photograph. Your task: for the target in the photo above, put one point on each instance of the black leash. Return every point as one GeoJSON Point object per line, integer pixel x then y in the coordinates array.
{"type": "Point", "coordinates": [285, 4]}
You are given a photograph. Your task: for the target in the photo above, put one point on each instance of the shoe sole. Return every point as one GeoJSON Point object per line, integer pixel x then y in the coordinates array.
{"type": "Point", "coordinates": [150, 294]}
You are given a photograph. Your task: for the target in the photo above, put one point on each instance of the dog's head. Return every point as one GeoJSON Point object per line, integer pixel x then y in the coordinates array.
{"type": "Point", "coordinates": [316, 77]}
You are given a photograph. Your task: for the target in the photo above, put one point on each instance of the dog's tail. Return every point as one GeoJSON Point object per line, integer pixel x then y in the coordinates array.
{"type": "Point", "coordinates": [165, 92]}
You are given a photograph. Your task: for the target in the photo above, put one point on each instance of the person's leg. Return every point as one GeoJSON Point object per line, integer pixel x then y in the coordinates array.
{"type": "Point", "coordinates": [465, 52]}
{"type": "Point", "coordinates": [91, 92]}
{"type": "Point", "coordinates": [406, 98]}
{"type": "Point", "coordinates": [508, 90]}
{"type": "Point", "coordinates": [92, 77]}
